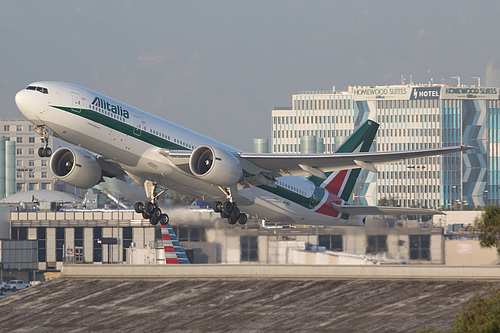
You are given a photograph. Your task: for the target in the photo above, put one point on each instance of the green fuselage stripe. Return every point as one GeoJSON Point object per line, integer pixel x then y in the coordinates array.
{"type": "Point", "coordinates": [124, 128]}
{"type": "Point", "coordinates": [117, 125]}
{"type": "Point", "coordinates": [307, 202]}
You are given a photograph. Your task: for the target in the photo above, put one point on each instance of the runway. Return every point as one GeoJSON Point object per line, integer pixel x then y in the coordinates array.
{"type": "Point", "coordinates": [216, 304]}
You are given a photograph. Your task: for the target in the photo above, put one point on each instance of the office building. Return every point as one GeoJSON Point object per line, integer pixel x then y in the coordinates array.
{"type": "Point", "coordinates": [31, 171]}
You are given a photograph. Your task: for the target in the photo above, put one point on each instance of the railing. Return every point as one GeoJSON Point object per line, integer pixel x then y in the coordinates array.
{"type": "Point", "coordinates": [318, 92]}
{"type": "Point", "coordinates": [125, 215]}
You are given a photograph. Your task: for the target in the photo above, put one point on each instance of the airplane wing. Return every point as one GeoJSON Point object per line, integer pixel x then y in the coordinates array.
{"type": "Point", "coordinates": [384, 210]}
{"type": "Point", "coordinates": [301, 164]}
{"type": "Point", "coordinates": [110, 168]}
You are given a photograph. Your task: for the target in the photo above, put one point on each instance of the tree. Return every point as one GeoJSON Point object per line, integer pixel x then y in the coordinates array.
{"type": "Point", "coordinates": [482, 314]}
{"type": "Point", "coordinates": [384, 201]}
{"type": "Point", "coordinates": [177, 199]}
{"type": "Point", "coordinates": [488, 226]}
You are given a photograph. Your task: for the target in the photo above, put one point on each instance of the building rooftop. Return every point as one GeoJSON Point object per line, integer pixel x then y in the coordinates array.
{"type": "Point", "coordinates": [39, 196]}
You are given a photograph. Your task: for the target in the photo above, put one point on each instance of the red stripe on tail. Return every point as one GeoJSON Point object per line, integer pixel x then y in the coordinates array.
{"type": "Point", "coordinates": [335, 185]}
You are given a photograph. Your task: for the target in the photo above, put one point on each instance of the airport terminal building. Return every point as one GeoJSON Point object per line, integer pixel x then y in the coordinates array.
{"type": "Point", "coordinates": [410, 117]}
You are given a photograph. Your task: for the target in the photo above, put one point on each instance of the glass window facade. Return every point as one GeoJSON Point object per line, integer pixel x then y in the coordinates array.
{"type": "Point", "coordinates": [410, 117]}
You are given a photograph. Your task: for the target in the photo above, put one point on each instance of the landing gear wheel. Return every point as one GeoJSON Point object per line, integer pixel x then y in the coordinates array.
{"type": "Point", "coordinates": [153, 220]}
{"type": "Point", "coordinates": [164, 219]}
{"type": "Point", "coordinates": [227, 207]}
{"type": "Point", "coordinates": [231, 220]}
{"type": "Point", "coordinates": [149, 207]}
{"type": "Point", "coordinates": [235, 213]}
{"type": "Point", "coordinates": [139, 207]}
{"type": "Point", "coordinates": [146, 216]}
{"type": "Point", "coordinates": [217, 206]}
{"type": "Point", "coordinates": [242, 219]}
{"type": "Point", "coordinates": [224, 215]}
{"type": "Point", "coordinates": [156, 214]}
{"type": "Point", "coordinates": [44, 151]}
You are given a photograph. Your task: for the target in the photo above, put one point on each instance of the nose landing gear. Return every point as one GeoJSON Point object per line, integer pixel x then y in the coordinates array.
{"type": "Point", "coordinates": [45, 150]}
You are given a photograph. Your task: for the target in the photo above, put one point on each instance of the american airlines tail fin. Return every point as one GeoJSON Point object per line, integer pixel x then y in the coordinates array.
{"type": "Point", "coordinates": [174, 252]}
{"type": "Point", "coordinates": [341, 183]}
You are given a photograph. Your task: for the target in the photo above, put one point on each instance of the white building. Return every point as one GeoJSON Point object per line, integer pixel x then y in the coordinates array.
{"type": "Point", "coordinates": [32, 171]}
{"type": "Point", "coordinates": [410, 117]}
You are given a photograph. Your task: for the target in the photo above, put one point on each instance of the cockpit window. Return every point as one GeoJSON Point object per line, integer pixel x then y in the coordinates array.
{"type": "Point", "coordinates": [40, 89]}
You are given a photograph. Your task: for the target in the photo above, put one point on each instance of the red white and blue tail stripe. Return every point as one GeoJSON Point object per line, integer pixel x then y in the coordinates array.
{"type": "Point", "coordinates": [174, 253]}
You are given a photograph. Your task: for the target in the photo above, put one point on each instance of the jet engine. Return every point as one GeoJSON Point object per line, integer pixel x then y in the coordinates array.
{"type": "Point", "coordinates": [76, 167]}
{"type": "Point", "coordinates": [215, 166]}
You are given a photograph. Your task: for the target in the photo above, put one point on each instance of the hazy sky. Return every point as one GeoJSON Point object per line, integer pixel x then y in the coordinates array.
{"type": "Point", "coordinates": [219, 67]}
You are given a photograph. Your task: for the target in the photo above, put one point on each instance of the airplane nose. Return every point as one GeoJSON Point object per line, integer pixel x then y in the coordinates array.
{"type": "Point", "coordinates": [27, 103]}
{"type": "Point", "coordinates": [22, 101]}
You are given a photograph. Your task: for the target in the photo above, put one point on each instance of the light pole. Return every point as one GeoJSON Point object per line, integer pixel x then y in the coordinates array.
{"type": "Point", "coordinates": [412, 168]}
{"type": "Point", "coordinates": [458, 79]}
{"type": "Point", "coordinates": [452, 196]}
{"type": "Point", "coordinates": [478, 80]}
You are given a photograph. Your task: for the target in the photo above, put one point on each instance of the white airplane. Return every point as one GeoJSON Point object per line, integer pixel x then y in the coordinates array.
{"type": "Point", "coordinates": [122, 140]}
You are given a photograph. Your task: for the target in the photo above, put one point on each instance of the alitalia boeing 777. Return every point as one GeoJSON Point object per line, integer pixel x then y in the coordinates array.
{"type": "Point", "coordinates": [117, 139]}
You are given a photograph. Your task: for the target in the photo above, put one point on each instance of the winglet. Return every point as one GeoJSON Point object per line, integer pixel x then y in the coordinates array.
{"type": "Point", "coordinates": [465, 147]}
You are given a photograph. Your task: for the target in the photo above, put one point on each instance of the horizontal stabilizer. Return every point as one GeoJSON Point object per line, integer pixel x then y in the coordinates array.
{"type": "Point", "coordinates": [384, 210]}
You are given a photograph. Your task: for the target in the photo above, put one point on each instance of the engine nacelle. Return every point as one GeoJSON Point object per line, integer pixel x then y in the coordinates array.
{"type": "Point", "coordinates": [76, 167]}
{"type": "Point", "coordinates": [215, 166]}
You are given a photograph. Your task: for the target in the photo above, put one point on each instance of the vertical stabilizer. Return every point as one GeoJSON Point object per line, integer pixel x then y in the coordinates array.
{"type": "Point", "coordinates": [174, 253]}
{"type": "Point", "coordinates": [341, 183]}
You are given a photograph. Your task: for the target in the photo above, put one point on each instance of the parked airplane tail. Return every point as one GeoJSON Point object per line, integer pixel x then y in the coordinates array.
{"type": "Point", "coordinates": [341, 183]}
{"type": "Point", "coordinates": [174, 252]}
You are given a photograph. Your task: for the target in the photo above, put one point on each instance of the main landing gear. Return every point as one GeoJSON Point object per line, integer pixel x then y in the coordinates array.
{"type": "Point", "coordinates": [229, 210]}
{"type": "Point", "coordinates": [150, 209]}
{"type": "Point", "coordinates": [44, 151]}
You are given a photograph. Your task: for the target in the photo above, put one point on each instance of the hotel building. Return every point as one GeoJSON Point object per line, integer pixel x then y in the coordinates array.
{"type": "Point", "coordinates": [410, 117]}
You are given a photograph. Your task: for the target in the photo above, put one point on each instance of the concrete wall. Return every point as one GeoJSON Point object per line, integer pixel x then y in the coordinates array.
{"type": "Point", "coordinates": [5, 222]}
{"type": "Point", "coordinates": [51, 244]}
{"type": "Point", "coordinates": [283, 271]}
{"type": "Point", "coordinates": [469, 253]}
{"type": "Point", "coordinates": [88, 244]}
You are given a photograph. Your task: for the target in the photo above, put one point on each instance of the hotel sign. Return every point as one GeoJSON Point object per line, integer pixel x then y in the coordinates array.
{"type": "Point", "coordinates": [381, 93]}
{"type": "Point", "coordinates": [469, 93]}
{"type": "Point", "coordinates": [418, 93]}
{"type": "Point", "coordinates": [425, 93]}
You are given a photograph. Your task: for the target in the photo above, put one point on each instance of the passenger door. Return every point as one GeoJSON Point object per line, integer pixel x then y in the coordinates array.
{"type": "Point", "coordinates": [76, 102]}
{"type": "Point", "coordinates": [139, 125]}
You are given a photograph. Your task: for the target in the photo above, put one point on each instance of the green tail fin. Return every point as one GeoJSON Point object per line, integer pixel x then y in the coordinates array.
{"type": "Point", "coordinates": [341, 183]}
